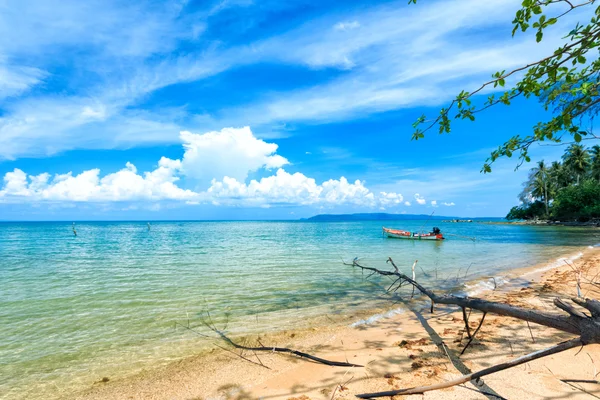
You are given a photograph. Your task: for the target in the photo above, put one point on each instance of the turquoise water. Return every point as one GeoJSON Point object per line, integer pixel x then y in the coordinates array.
{"type": "Point", "coordinates": [105, 303]}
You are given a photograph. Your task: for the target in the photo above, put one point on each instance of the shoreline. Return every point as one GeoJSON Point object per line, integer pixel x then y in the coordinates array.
{"type": "Point", "coordinates": [368, 337]}
{"type": "Point", "coordinates": [594, 223]}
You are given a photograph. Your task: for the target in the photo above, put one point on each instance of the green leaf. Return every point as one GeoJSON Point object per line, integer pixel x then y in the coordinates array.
{"type": "Point", "coordinates": [538, 36]}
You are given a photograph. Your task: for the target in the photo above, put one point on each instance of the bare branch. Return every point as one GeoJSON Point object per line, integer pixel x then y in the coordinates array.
{"type": "Point", "coordinates": [476, 375]}
{"type": "Point", "coordinates": [474, 333]}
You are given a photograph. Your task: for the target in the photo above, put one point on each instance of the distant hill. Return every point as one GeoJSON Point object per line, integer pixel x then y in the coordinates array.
{"type": "Point", "coordinates": [372, 217]}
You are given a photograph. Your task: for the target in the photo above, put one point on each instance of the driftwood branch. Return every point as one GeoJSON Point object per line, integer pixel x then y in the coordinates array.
{"type": "Point", "coordinates": [476, 375]}
{"type": "Point", "coordinates": [208, 323]}
{"type": "Point", "coordinates": [586, 327]}
{"type": "Point", "coordinates": [287, 351]}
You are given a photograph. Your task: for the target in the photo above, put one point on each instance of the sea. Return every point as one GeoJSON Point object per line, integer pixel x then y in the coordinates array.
{"type": "Point", "coordinates": [119, 297]}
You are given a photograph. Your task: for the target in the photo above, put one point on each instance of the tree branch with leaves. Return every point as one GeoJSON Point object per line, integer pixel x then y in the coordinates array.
{"type": "Point", "coordinates": [566, 82]}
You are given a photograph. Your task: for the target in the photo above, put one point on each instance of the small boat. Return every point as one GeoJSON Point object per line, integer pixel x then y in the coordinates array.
{"type": "Point", "coordinates": [435, 234]}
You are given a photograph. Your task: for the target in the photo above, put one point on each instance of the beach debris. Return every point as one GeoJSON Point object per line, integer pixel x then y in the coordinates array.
{"type": "Point", "coordinates": [103, 380]}
{"type": "Point", "coordinates": [408, 344]}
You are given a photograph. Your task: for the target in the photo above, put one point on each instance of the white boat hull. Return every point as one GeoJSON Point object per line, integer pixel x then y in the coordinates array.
{"type": "Point", "coordinates": [399, 234]}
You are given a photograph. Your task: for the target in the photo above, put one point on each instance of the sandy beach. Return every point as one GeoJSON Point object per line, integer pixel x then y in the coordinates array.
{"type": "Point", "coordinates": [398, 349]}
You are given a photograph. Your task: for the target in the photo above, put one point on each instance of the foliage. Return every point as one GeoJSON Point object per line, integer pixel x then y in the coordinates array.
{"type": "Point", "coordinates": [567, 81]}
{"type": "Point", "coordinates": [577, 159]}
{"type": "Point", "coordinates": [526, 211]}
{"type": "Point", "coordinates": [560, 177]}
{"type": "Point", "coordinates": [595, 167]}
{"type": "Point", "coordinates": [578, 202]}
{"type": "Point", "coordinates": [565, 191]}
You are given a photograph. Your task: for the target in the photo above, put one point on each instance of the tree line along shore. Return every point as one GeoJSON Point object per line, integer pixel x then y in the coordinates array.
{"type": "Point", "coordinates": [563, 192]}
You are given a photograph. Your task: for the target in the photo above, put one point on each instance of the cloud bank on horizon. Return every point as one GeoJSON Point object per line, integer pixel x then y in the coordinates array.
{"type": "Point", "coordinates": [217, 163]}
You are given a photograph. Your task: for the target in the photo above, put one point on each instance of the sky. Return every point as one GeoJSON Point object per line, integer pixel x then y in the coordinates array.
{"type": "Point", "coordinates": [249, 109]}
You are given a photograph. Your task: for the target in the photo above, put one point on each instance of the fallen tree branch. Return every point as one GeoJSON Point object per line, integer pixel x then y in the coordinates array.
{"type": "Point", "coordinates": [569, 344]}
{"type": "Point", "coordinates": [288, 351]}
{"type": "Point", "coordinates": [222, 336]}
{"type": "Point", "coordinates": [586, 327]}
{"type": "Point", "coordinates": [576, 323]}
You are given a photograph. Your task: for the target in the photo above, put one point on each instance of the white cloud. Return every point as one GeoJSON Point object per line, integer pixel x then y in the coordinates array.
{"type": "Point", "coordinates": [14, 80]}
{"type": "Point", "coordinates": [419, 199]}
{"type": "Point", "coordinates": [434, 203]}
{"type": "Point", "coordinates": [160, 184]}
{"type": "Point", "coordinates": [279, 188]}
{"type": "Point", "coordinates": [336, 191]}
{"type": "Point", "coordinates": [230, 152]}
{"type": "Point", "coordinates": [407, 203]}
{"type": "Point", "coordinates": [390, 198]}
{"type": "Point", "coordinates": [225, 157]}
{"type": "Point", "coordinates": [287, 188]}
{"type": "Point", "coordinates": [346, 26]}
{"type": "Point", "coordinates": [448, 204]}
{"type": "Point", "coordinates": [123, 185]}
{"type": "Point", "coordinates": [393, 63]}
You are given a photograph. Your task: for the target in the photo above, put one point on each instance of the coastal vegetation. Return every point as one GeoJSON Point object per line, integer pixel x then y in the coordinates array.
{"type": "Point", "coordinates": [564, 191]}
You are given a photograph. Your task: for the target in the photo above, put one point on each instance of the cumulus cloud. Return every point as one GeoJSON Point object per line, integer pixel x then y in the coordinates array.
{"type": "Point", "coordinates": [225, 157]}
{"type": "Point", "coordinates": [123, 185]}
{"type": "Point", "coordinates": [407, 203]}
{"type": "Point", "coordinates": [231, 152]}
{"type": "Point", "coordinates": [448, 204]}
{"type": "Point", "coordinates": [434, 203]}
{"type": "Point", "coordinates": [335, 191]}
{"type": "Point", "coordinates": [420, 199]}
{"type": "Point", "coordinates": [296, 188]}
{"type": "Point", "coordinates": [279, 188]}
{"type": "Point", "coordinates": [390, 198]}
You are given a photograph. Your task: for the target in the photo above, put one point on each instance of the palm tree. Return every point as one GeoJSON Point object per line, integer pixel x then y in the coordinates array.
{"type": "Point", "coordinates": [536, 186]}
{"type": "Point", "coordinates": [559, 178]}
{"type": "Point", "coordinates": [540, 187]}
{"type": "Point", "coordinates": [577, 159]}
{"type": "Point", "coordinates": [595, 169]}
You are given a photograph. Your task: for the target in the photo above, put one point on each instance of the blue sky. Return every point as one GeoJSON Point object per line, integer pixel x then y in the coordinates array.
{"type": "Point", "coordinates": [254, 109]}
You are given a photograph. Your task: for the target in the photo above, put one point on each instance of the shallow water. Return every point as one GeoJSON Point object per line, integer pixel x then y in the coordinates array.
{"type": "Point", "coordinates": [106, 303]}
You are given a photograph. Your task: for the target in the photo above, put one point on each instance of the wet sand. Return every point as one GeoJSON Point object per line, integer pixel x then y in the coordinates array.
{"type": "Point", "coordinates": [400, 349]}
